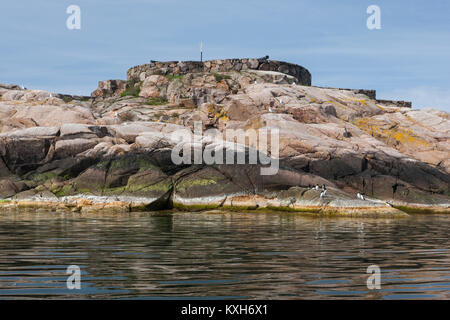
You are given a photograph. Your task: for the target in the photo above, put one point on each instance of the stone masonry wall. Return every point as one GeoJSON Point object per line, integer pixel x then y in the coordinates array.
{"type": "Point", "coordinates": [140, 73]}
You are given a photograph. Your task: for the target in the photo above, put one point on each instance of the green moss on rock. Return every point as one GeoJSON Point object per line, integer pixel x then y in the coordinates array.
{"type": "Point", "coordinates": [187, 183]}
{"type": "Point", "coordinates": [423, 210]}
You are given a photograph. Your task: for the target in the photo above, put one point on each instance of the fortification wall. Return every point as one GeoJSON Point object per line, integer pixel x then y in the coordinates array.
{"type": "Point", "coordinates": [140, 73]}
{"type": "Point", "coordinates": [395, 103]}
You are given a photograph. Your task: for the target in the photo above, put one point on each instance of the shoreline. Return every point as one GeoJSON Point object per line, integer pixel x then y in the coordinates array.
{"type": "Point", "coordinates": [97, 204]}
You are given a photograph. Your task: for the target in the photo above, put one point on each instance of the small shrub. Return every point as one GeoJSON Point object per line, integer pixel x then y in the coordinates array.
{"type": "Point", "coordinates": [132, 90]}
{"type": "Point", "coordinates": [174, 77]}
{"type": "Point", "coordinates": [67, 99]}
{"type": "Point", "coordinates": [220, 77]}
{"type": "Point", "coordinates": [157, 101]}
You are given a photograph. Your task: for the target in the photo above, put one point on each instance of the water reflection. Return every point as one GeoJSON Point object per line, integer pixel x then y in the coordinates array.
{"type": "Point", "coordinates": [233, 255]}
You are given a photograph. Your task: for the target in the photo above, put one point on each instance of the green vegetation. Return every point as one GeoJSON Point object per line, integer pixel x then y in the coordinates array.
{"type": "Point", "coordinates": [66, 190]}
{"type": "Point", "coordinates": [175, 77]}
{"type": "Point", "coordinates": [187, 184]}
{"type": "Point", "coordinates": [415, 210]}
{"type": "Point", "coordinates": [104, 165]}
{"type": "Point", "coordinates": [219, 77]}
{"type": "Point", "coordinates": [132, 91]}
{"type": "Point", "coordinates": [289, 209]}
{"type": "Point", "coordinates": [66, 99]}
{"type": "Point", "coordinates": [194, 207]}
{"type": "Point", "coordinates": [157, 101]}
{"type": "Point", "coordinates": [161, 186]}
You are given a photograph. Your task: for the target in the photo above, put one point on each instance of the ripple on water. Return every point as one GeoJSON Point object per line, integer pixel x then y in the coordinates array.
{"type": "Point", "coordinates": [223, 256]}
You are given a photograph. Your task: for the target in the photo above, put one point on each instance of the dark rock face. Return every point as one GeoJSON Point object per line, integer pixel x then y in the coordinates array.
{"type": "Point", "coordinates": [151, 175]}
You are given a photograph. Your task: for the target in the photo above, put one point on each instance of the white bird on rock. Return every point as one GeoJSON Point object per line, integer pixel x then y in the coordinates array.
{"type": "Point", "coordinates": [323, 193]}
{"type": "Point", "coordinates": [360, 196]}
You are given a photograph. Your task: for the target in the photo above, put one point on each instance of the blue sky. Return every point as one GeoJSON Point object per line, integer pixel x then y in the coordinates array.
{"type": "Point", "coordinates": [408, 59]}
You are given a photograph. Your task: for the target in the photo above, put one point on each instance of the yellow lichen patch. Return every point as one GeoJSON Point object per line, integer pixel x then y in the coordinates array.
{"type": "Point", "coordinates": [337, 104]}
{"type": "Point", "coordinates": [368, 126]}
{"type": "Point", "coordinates": [402, 136]}
{"type": "Point", "coordinates": [217, 112]}
{"type": "Point", "coordinates": [360, 101]}
{"type": "Point", "coordinates": [312, 99]}
{"type": "Point", "coordinates": [406, 137]}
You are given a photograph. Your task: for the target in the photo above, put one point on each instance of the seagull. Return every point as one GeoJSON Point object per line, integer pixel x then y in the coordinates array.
{"type": "Point", "coordinates": [317, 187]}
{"type": "Point", "coordinates": [324, 188]}
{"type": "Point", "coordinates": [22, 87]}
{"type": "Point", "coordinates": [360, 196]}
{"type": "Point", "coordinates": [322, 194]}
{"type": "Point", "coordinates": [292, 201]}
{"type": "Point", "coordinates": [294, 84]}
{"type": "Point", "coordinates": [51, 95]}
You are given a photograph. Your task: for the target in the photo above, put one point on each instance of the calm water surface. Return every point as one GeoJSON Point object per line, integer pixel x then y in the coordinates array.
{"type": "Point", "coordinates": [222, 256]}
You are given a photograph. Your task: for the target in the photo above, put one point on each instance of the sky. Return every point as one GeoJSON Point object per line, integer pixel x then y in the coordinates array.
{"type": "Point", "coordinates": [407, 59]}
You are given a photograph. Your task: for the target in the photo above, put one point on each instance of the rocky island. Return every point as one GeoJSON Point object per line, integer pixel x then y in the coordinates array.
{"type": "Point", "coordinates": [112, 151]}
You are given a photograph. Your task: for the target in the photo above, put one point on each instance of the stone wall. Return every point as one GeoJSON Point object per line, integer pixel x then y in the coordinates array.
{"type": "Point", "coordinates": [372, 94]}
{"type": "Point", "coordinates": [400, 104]}
{"type": "Point", "coordinates": [368, 92]}
{"type": "Point", "coordinates": [140, 73]}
